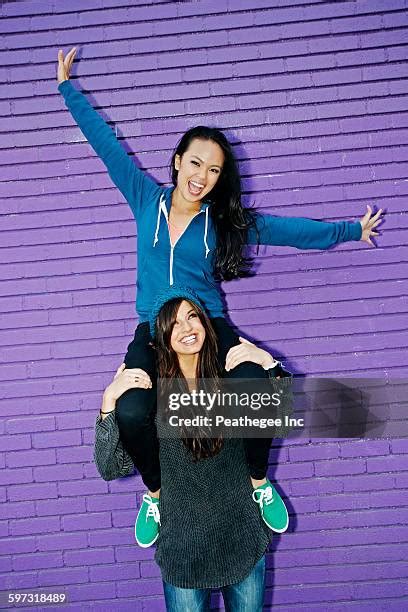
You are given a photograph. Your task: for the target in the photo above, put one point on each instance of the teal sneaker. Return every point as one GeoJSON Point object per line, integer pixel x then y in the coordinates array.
{"type": "Point", "coordinates": [147, 522]}
{"type": "Point", "coordinates": [272, 507]}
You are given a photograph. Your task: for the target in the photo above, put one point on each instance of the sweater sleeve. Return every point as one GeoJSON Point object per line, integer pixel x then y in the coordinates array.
{"type": "Point", "coordinates": [302, 233]}
{"type": "Point", "coordinates": [111, 458]}
{"type": "Point", "coordinates": [133, 183]}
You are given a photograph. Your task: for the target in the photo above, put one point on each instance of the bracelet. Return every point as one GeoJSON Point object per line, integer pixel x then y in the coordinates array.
{"type": "Point", "coordinates": [110, 411]}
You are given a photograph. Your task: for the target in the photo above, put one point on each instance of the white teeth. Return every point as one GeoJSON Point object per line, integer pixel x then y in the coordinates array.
{"type": "Point", "coordinates": [195, 187]}
{"type": "Point", "coordinates": [188, 339]}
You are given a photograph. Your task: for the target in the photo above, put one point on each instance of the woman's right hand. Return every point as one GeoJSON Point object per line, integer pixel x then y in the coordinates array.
{"type": "Point", "coordinates": [64, 65]}
{"type": "Point", "coordinates": [124, 379]}
{"type": "Point", "coordinates": [128, 378]}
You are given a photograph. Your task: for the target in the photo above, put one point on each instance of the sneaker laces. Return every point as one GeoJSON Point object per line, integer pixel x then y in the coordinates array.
{"type": "Point", "coordinates": [153, 509]}
{"type": "Point", "coordinates": [265, 496]}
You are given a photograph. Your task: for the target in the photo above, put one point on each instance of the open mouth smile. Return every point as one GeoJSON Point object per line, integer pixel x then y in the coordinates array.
{"type": "Point", "coordinates": [189, 339]}
{"type": "Point", "coordinates": [195, 188]}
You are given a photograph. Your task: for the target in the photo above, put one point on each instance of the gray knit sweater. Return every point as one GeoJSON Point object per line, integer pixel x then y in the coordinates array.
{"type": "Point", "coordinates": [211, 532]}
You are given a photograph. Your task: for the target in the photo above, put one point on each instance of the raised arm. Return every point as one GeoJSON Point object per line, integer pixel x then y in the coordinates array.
{"type": "Point", "coordinates": [134, 184]}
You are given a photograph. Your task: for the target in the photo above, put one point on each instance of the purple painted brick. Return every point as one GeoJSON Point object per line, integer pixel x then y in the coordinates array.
{"type": "Point", "coordinates": [74, 454]}
{"type": "Point", "coordinates": [87, 522]}
{"type": "Point", "coordinates": [19, 545]}
{"type": "Point", "coordinates": [30, 425]}
{"type": "Point", "coordinates": [62, 541]}
{"type": "Point", "coordinates": [63, 438]}
{"type": "Point", "coordinates": [16, 476]}
{"type": "Point", "coordinates": [83, 592]}
{"type": "Point", "coordinates": [55, 473]}
{"type": "Point", "coordinates": [82, 487]}
{"type": "Point", "coordinates": [37, 561]}
{"type": "Point", "coordinates": [17, 510]}
{"type": "Point", "coordinates": [34, 525]}
{"type": "Point", "coordinates": [63, 576]}
{"type": "Point", "coordinates": [399, 446]}
{"type": "Point", "coordinates": [133, 553]}
{"type": "Point", "coordinates": [314, 451]}
{"type": "Point", "coordinates": [124, 571]}
{"type": "Point", "coordinates": [15, 442]}
{"type": "Point", "coordinates": [149, 570]}
{"type": "Point", "coordinates": [4, 529]}
{"type": "Point", "coordinates": [294, 470]}
{"type": "Point", "coordinates": [20, 580]}
{"type": "Point", "coordinates": [111, 537]}
{"type": "Point", "coordinates": [62, 505]}
{"type": "Point", "coordinates": [34, 457]}
{"type": "Point", "coordinates": [373, 590]}
{"type": "Point", "coordinates": [123, 519]}
{"type": "Point", "coordinates": [140, 587]}
{"type": "Point", "coordinates": [387, 464]}
{"type": "Point", "coordinates": [340, 467]}
{"type": "Point", "coordinates": [110, 502]}
{"type": "Point", "coordinates": [89, 557]}
{"type": "Point", "coordinates": [5, 564]}
{"type": "Point", "coordinates": [35, 491]}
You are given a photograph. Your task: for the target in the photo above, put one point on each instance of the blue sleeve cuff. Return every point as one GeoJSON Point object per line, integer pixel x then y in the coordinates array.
{"type": "Point", "coordinates": [65, 86]}
{"type": "Point", "coordinates": [356, 230]}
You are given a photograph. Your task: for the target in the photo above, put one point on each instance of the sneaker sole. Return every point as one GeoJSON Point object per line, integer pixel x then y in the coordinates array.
{"type": "Point", "coordinates": [146, 545]}
{"type": "Point", "coordinates": [277, 530]}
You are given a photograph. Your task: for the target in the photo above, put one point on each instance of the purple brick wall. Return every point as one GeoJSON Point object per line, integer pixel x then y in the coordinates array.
{"type": "Point", "coordinates": [313, 96]}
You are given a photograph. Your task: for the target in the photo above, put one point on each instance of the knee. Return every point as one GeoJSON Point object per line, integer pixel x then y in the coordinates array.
{"type": "Point", "coordinates": [247, 369]}
{"type": "Point", "coordinates": [134, 408]}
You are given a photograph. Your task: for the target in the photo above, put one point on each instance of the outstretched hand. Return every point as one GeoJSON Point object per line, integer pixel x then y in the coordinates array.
{"type": "Point", "coordinates": [64, 65]}
{"type": "Point", "coordinates": [368, 223]}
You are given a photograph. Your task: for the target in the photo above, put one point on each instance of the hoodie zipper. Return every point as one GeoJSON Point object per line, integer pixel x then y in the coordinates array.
{"type": "Point", "coordinates": [172, 246]}
{"type": "Point", "coordinates": [163, 208]}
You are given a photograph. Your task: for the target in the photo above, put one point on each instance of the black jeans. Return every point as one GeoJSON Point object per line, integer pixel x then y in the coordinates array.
{"type": "Point", "coordinates": [136, 408]}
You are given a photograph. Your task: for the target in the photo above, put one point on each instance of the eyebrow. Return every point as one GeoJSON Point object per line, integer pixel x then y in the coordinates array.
{"type": "Point", "coordinates": [189, 312]}
{"type": "Point", "coordinates": [201, 160]}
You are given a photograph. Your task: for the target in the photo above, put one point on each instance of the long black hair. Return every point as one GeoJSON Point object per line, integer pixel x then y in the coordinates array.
{"type": "Point", "coordinates": [231, 220]}
{"type": "Point", "coordinates": [208, 368]}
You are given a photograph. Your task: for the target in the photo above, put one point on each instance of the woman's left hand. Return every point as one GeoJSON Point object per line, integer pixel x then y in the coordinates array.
{"type": "Point", "coordinates": [368, 223]}
{"type": "Point", "coordinates": [247, 351]}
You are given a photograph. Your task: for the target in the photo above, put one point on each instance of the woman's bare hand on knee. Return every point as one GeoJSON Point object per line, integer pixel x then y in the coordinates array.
{"type": "Point", "coordinates": [128, 378]}
{"type": "Point", "coordinates": [247, 351]}
{"type": "Point", "coordinates": [124, 379]}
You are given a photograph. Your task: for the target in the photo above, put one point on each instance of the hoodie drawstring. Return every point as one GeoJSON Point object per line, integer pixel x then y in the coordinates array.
{"type": "Point", "coordinates": [156, 234]}
{"type": "Point", "coordinates": [207, 250]}
{"type": "Point", "coordinates": [162, 209]}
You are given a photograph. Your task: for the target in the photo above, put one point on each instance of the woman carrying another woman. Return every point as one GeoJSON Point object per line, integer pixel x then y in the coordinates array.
{"type": "Point", "coordinates": [211, 533]}
{"type": "Point", "coordinates": [193, 233]}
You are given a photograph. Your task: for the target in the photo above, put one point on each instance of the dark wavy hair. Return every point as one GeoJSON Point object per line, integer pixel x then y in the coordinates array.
{"type": "Point", "coordinates": [207, 368]}
{"type": "Point", "coordinates": [231, 220]}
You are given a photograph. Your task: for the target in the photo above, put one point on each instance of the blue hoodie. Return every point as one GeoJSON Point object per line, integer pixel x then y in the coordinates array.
{"type": "Point", "coordinates": [189, 261]}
